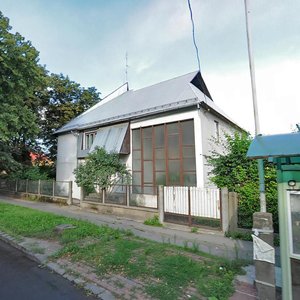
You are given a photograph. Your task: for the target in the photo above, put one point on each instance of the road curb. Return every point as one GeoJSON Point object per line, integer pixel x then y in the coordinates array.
{"type": "Point", "coordinates": [13, 242]}
{"type": "Point", "coordinates": [89, 286]}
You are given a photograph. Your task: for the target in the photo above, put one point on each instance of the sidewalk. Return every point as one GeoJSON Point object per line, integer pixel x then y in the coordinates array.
{"type": "Point", "coordinates": [212, 242]}
{"type": "Point", "coordinates": [208, 241]}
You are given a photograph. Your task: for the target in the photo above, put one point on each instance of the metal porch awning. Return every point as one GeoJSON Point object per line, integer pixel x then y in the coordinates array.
{"type": "Point", "coordinates": [278, 145]}
{"type": "Point", "coordinates": [110, 138]}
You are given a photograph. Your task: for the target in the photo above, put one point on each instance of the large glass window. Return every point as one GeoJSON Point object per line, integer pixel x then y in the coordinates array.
{"type": "Point", "coordinates": [164, 154]}
{"type": "Point", "coordinates": [295, 222]}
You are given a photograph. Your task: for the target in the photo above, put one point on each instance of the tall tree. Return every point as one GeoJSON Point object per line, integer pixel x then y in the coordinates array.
{"type": "Point", "coordinates": [64, 100]}
{"type": "Point", "coordinates": [21, 81]}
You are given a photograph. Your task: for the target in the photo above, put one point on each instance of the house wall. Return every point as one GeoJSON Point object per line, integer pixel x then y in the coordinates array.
{"type": "Point", "coordinates": [209, 142]}
{"type": "Point", "coordinates": [67, 160]}
{"type": "Point", "coordinates": [204, 132]}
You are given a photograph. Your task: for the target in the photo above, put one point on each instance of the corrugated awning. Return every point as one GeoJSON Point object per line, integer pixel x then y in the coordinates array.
{"type": "Point", "coordinates": [110, 138]}
{"type": "Point", "coordinates": [280, 145]}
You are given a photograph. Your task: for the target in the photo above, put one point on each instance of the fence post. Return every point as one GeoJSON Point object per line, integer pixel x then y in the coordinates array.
{"type": "Point", "coordinates": [160, 203]}
{"type": "Point", "coordinates": [53, 188]}
{"type": "Point", "coordinates": [69, 201]}
{"type": "Point", "coordinates": [16, 185]}
{"type": "Point", "coordinates": [26, 188]}
{"type": "Point", "coordinates": [127, 195]}
{"type": "Point", "coordinates": [39, 187]}
{"type": "Point", "coordinates": [81, 196]}
{"type": "Point", "coordinates": [233, 211]}
{"type": "Point", "coordinates": [224, 209]}
{"type": "Point", "coordinates": [189, 206]}
{"type": "Point", "coordinates": [103, 196]}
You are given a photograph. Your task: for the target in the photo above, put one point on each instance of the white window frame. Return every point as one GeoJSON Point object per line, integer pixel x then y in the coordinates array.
{"type": "Point", "coordinates": [217, 130]}
{"type": "Point", "coordinates": [86, 135]}
{"type": "Point", "coordinates": [291, 246]}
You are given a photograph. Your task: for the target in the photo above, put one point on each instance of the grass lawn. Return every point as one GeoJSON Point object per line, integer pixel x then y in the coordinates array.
{"type": "Point", "coordinates": [166, 270]}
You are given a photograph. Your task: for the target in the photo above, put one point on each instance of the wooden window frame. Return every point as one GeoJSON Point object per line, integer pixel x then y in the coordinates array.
{"type": "Point", "coordinates": [180, 158]}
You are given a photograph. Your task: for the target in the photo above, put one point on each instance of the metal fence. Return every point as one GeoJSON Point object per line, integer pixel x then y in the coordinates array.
{"type": "Point", "coordinates": [46, 188]}
{"type": "Point", "coordinates": [126, 195]}
{"type": "Point", "coordinates": [192, 205]}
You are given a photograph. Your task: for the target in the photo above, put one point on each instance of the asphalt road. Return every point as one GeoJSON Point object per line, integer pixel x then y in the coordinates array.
{"type": "Point", "coordinates": [21, 278]}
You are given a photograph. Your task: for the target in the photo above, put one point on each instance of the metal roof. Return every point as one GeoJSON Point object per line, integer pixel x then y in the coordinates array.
{"type": "Point", "coordinates": [279, 145]}
{"type": "Point", "coordinates": [110, 138]}
{"type": "Point", "coordinates": [176, 93]}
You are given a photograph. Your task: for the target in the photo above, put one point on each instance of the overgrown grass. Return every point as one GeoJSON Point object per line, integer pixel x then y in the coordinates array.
{"type": "Point", "coordinates": [154, 221]}
{"type": "Point", "coordinates": [167, 271]}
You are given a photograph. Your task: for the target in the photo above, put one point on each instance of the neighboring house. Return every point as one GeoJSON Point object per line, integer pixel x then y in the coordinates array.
{"type": "Point", "coordinates": [38, 159]}
{"type": "Point", "coordinates": [162, 132]}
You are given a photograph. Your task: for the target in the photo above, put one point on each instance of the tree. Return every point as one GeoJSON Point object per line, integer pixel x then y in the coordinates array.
{"type": "Point", "coordinates": [232, 169]}
{"type": "Point", "coordinates": [63, 101]}
{"type": "Point", "coordinates": [101, 169]}
{"type": "Point", "coordinates": [21, 81]}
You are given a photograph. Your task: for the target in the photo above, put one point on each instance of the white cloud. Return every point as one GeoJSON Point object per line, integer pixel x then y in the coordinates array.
{"type": "Point", "coordinates": [277, 90]}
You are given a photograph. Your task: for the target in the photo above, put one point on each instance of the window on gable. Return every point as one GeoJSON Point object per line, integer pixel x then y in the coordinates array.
{"type": "Point", "coordinates": [217, 131]}
{"type": "Point", "coordinates": [88, 140]}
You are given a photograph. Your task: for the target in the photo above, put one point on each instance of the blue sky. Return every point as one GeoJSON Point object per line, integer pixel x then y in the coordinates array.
{"type": "Point", "coordinates": [88, 39]}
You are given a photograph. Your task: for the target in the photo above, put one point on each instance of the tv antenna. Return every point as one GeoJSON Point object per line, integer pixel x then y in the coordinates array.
{"type": "Point", "coordinates": [126, 67]}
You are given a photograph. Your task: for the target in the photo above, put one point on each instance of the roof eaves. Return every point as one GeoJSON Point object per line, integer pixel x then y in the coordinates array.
{"type": "Point", "coordinates": [135, 115]}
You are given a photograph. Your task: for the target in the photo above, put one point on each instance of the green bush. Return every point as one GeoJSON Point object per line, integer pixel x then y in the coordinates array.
{"type": "Point", "coordinates": [232, 169]}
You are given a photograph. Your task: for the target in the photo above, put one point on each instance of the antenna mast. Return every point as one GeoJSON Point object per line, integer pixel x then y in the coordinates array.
{"type": "Point", "coordinates": [126, 67]}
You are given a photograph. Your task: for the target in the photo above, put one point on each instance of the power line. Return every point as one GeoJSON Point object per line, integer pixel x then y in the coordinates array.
{"type": "Point", "coordinates": [193, 34]}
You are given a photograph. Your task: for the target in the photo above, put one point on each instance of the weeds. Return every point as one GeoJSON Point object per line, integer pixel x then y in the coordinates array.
{"type": "Point", "coordinates": [166, 270]}
{"type": "Point", "coordinates": [154, 221]}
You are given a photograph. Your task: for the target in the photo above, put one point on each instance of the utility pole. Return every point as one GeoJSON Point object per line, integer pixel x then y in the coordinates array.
{"type": "Point", "coordinates": [261, 173]}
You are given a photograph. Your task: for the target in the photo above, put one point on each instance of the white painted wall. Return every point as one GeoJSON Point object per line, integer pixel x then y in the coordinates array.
{"type": "Point", "coordinates": [204, 130]}
{"type": "Point", "coordinates": [67, 160]}
{"type": "Point", "coordinates": [208, 139]}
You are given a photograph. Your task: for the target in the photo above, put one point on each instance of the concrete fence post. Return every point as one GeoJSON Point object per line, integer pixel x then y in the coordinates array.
{"type": "Point", "coordinates": [225, 210]}
{"type": "Point", "coordinates": [81, 196]}
{"type": "Point", "coordinates": [127, 195]}
{"type": "Point", "coordinates": [233, 211]}
{"type": "Point", "coordinates": [103, 195]}
{"type": "Point", "coordinates": [69, 201]}
{"type": "Point", "coordinates": [16, 185]}
{"type": "Point", "coordinates": [39, 187]}
{"type": "Point", "coordinates": [160, 203]}
{"type": "Point", "coordinates": [264, 266]}
{"type": "Point", "coordinates": [53, 188]}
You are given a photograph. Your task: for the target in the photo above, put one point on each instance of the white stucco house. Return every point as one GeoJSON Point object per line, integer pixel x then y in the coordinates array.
{"type": "Point", "coordinates": [162, 132]}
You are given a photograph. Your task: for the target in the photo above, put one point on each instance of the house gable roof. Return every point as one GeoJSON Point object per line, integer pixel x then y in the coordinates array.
{"type": "Point", "coordinates": [179, 92]}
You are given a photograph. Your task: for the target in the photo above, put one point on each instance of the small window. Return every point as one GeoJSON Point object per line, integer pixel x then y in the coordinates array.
{"type": "Point", "coordinates": [88, 139]}
{"type": "Point", "coordinates": [217, 131]}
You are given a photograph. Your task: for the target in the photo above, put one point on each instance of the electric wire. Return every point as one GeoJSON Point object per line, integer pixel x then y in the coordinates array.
{"type": "Point", "coordinates": [194, 41]}
{"type": "Point", "coordinates": [193, 34]}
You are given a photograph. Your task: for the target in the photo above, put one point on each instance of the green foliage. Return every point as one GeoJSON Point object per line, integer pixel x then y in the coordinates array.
{"type": "Point", "coordinates": [101, 169]}
{"type": "Point", "coordinates": [167, 271]}
{"type": "Point", "coordinates": [194, 229]}
{"type": "Point", "coordinates": [63, 100]}
{"type": "Point", "coordinates": [21, 81]}
{"type": "Point", "coordinates": [153, 221]}
{"type": "Point", "coordinates": [33, 104]}
{"type": "Point", "coordinates": [216, 223]}
{"type": "Point", "coordinates": [232, 169]}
